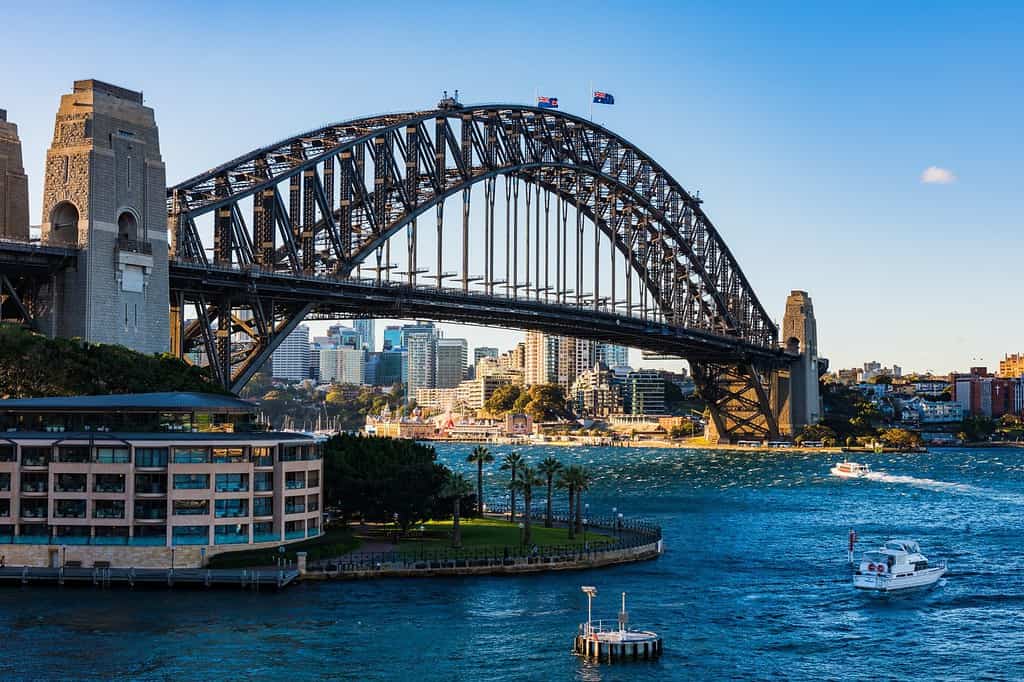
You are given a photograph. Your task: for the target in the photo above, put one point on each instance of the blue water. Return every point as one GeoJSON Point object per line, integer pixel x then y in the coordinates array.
{"type": "Point", "coordinates": [754, 585]}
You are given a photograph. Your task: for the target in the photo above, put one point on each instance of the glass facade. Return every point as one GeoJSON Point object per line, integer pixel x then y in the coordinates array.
{"type": "Point", "coordinates": [191, 455]}
{"type": "Point", "coordinates": [151, 457]}
{"type": "Point", "coordinates": [232, 483]}
{"type": "Point", "coordinates": [191, 507]}
{"type": "Point", "coordinates": [191, 481]}
{"type": "Point", "coordinates": [232, 508]}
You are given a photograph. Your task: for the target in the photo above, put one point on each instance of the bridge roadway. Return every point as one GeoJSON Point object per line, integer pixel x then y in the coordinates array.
{"type": "Point", "coordinates": [345, 297]}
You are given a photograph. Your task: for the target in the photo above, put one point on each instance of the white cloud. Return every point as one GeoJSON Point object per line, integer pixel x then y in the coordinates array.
{"type": "Point", "coordinates": [933, 175]}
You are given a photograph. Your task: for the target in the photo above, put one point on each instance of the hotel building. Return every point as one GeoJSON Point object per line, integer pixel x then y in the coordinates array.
{"type": "Point", "coordinates": [129, 479]}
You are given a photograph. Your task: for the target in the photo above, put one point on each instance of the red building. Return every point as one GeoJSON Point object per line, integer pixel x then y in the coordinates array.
{"type": "Point", "coordinates": [982, 394]}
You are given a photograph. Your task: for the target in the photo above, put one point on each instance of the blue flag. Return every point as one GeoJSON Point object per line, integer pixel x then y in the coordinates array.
{"type": "Point", "coordinates": [603, 97]}
{"type": "Point", "coordinates": [547, 102]}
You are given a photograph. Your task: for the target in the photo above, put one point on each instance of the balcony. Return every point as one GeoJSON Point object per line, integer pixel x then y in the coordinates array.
{"type": "Point", "coordinates": [295, 485]}
{"type": "Point", "coordinates": [294, 534]}
{"type": "Point", "coordinates": [150, 489]}
{"type": "Point", "coordinates": [134, 246]}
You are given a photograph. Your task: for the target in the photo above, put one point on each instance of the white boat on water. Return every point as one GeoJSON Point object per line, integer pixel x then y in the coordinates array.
{"type": "Point", "coordinates": [897, 565]}
{"type": "Point", "coordinates": [846, 469]}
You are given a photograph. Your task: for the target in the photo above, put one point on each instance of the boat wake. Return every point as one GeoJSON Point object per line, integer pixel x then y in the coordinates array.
{"type": "Point", "coordinates": [945, 486]}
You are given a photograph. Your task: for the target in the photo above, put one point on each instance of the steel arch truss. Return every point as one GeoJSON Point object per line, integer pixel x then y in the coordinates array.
{"type": "Point", "coordinates": [322, 204]}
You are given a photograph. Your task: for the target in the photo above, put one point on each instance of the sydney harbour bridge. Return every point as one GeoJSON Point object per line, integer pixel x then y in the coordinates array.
{"type": "Point", "coordinates": [503, 215]}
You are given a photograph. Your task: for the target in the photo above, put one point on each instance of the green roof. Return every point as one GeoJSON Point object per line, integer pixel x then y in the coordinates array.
{"type": "Point", "coordinates": [135, 402]}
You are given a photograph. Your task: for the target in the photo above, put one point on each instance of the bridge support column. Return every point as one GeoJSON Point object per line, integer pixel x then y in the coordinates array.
{"type": "Point", "coordinates": [737, 397]}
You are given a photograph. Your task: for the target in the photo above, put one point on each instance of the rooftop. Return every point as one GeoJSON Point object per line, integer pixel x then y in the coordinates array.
{"type": "Point", "coordinates": [131, 402]}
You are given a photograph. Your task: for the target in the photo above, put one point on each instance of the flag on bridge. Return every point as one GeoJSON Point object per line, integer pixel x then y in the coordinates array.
{"type": "Point", "coordinates": [547, 102]}
{"type": "Point", "coordinates": [603, 97]}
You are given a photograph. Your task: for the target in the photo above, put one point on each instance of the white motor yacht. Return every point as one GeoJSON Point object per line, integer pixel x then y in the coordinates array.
{"type": "Point", "coordinates": [897, 565]}
{"type": "Point", "coordinates": [846, 469]}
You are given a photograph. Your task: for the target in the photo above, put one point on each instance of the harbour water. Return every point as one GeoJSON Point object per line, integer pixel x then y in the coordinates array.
{"type": "Point", "coordinates": [754, 584]}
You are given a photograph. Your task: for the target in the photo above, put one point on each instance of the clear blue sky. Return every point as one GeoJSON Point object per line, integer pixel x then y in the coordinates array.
{"type": "Point", "coordinates": [806, 129]}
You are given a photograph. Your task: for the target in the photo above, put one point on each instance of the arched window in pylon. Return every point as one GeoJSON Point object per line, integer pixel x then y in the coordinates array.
{"type": "Point", "coordinates": [127, 227]}
{"type": "Point", "coordinates": [64, 224]}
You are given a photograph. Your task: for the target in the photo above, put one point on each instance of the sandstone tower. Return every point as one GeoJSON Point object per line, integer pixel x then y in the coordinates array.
{"type": "Point", "coordinates": [13, 184]}
{"type": "Point", "coordinates": [105, 193]}
{"type": "Point", "coordinates": [800, 335]}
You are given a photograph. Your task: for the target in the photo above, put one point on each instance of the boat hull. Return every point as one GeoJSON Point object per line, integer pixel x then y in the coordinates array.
{"type": "Point", "coordinates": [896, 583]}
{"type": "Point", "coordinates": [846, 474]}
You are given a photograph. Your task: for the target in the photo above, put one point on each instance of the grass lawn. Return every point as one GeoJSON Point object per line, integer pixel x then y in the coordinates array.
{"type": "Point", "coordinates": [333, 542]}
{"type": "Point", "coordinates": [479, 534]}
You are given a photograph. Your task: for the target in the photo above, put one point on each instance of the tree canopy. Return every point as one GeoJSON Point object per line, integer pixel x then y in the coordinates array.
{"type": "Point", "coordinates": [377, 478]}
{"type": "Point", "coordinates": [34, 366]}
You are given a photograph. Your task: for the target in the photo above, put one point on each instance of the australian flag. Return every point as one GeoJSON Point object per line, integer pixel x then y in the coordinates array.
{"type": "Point", "coordinates": [547, 102]}
{"type": "Point", "coordinates": [603, 97]}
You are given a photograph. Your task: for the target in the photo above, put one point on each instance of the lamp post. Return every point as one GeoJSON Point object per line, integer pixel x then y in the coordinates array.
{"type": "Point", "coordinates": [591, 592]}
{"type": "Point", "coordinates": [522, 538]}
{"type": "Point", "coordinates": [586, 546]}
{"type": "Point", "coordinates": [618, 524]}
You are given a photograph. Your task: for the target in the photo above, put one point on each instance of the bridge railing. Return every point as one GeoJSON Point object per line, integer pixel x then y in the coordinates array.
{"type": "Point", "coordinates": [135, 246]}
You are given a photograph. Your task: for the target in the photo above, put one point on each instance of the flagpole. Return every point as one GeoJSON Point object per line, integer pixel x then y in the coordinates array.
{"type": "Point", "coordinates": [590, 96]}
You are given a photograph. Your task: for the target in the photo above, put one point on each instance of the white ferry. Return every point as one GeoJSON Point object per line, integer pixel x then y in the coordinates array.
{"type": "Point", "coordinates": [897, 565]}
{"type": "Point", "coordinates": [846, 469]}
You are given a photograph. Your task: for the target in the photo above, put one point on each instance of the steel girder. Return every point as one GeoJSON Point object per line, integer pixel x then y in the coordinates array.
{"type": "Point", "coordinates": [737, 396]}
{"type": "Point", "coordinates": [392, 169]}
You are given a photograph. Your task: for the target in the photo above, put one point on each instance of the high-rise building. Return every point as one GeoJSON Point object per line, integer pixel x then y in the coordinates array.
{"type": "Point", "coordinates": [392, 337]}
{"type": "Point", "coordinates": [1012, 366]}
{"type": "Point", "coordinates": [341, 335]}
{"type": "Point", "coordinates": [594, 394]}
{"type": "Point", "coordinates": [542, 358]}
{"type": "Point", "coordinates": [343, 365]}
{"type": "Point", "coordinates": [13, 183]}
{"type": "Point", "coordinates": [450, 364]}
{"type": "Point", "coordinates": [645, 392]}
{"type": "Point", "coordinates": [291, 359]}
{"type": "Point", "coordinates": [420, 341]}
{"type": "Point", "coordinates": [365, 328]}
{"type": "Point", "coordinates": [390, 367]}
{"type": "Point", "coordinates": [484, 352]}
{"type": "Point", "coordinates": [574, 357]}
{"type": "Point", "coordinates": [611, 355]}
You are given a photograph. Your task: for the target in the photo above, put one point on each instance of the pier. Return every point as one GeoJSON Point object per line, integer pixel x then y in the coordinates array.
{"type": "Point", "coordinates": [254, 579]}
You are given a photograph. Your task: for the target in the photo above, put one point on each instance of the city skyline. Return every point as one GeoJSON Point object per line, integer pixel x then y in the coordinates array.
{"type": "Point", "coordinates": [845, 192]}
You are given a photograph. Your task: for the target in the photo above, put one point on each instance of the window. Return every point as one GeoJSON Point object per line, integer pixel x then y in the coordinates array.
{"type": "Point", "coordinates": [150, 484]}
{"type": "Point", "coordinates": [108, 509]}
{"type": "Point", "coordinates": [294, 480]}
{"type": "Point", "coordinates": [191, 507]}
{"type": "Point", "coordinates": [5, 481]}
{"type": "Point", "coordinates": [291, 453]}
{"type": "Point", "coordinates": [263, 506]}
{"type": "Point", "coordinates": [313, 503]}
{"type": "Point", "coordinates": [150, 509]}
{"type": "Point", "coordinates": [263, 457]}
{"type": "Point", "coordinates": [263, 481]}
{"type": "Point", "coordinates": [294, 530]}
{"type": "Point", "coordinates": [6, 453]}
{"type": "Point", "coordinates": [33, 509]}
{"type": "Point", "coordinates": [191, 455]}
{"type": "Point", "coordinates": [78, 454]}
{"type": "Point", "coordinates": [113, 455]}
{"type": "Point", "coordinates": [34, 483]}
{"type": "Point", "coordinates": [234, 533]}
{"type": "Point", "coordinates": [35, 457]}
{"type": "Point", "coordinates": [191, 535]}
{"type": "Point", "coordinates": [228, 455]}
{"type": "Point", "coordinates": [264, 532]}
{"type": "Point", "coordinates": [151, 457]}
{"type": "Point", "coordinates": [294, 505]}
{"type": "Point", "coordinates": [69, 509]}
{"type": "Point", "coordinates": [108, 483]}
{"type": "Point", "coordinates": [191, 481]}
{"type": "Point", "coordinates": [313, 479]}
{"type": "Point", "coordinates": [70, 483]}
{"type": "Point", "coordinates": [232, 483]}
{"type": "Point", "coordinates": [232, 508]}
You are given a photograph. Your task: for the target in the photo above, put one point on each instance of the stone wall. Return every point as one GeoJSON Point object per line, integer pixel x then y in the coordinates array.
{"type": "Point", "coordinates": [104, 161]}
{"type": "Point", "coordinates": [13, 183]}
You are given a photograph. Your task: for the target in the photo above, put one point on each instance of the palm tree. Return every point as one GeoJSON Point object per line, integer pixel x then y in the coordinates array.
{"type": "Point", "coordinates": [583, 479]}
{"type": "Point", "coordinates": [512, 462]}
{"type": "Point", "coordinates": [528, 479]}
{"type": "Point", "coordinates": [480, 456]}
{"type": "Point", "coordinates": [566, 482]}
{"type": "Point", "coordinates": [549, 467]}
{"type": "Point", "coordinates": [456, 487]}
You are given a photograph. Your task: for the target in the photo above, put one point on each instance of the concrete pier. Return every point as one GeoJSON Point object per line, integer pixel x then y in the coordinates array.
{"type": "Point", "coordinates": [130, 577]}
{"type": "Point", "coordinates": [626, 645]}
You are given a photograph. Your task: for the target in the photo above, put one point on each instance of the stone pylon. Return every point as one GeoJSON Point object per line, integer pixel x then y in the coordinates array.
{"type": "Point", "coordinates": [799, 402]}
{"type": "Point", "coordinates": [105, 193]}
{"type": "Point", "coordinates": [13, 183]}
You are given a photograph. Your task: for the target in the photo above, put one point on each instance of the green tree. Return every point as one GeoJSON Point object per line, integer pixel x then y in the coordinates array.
{"type": "Point", "coordinates": [546, 401]}
{"type": "Point", "coordinates": [377, 479]}
{"type": "Point", "coordinates": [456, 487]}
{"type": "Point", "coordinates": [503, 399]}
{"type": "Point", "coordinates": [549, 468]}
{"type": "Point", "coordinates": [527, 481]}
{"type": "Point", "coordinates": [480, 456]}
{"type": "Point", "coordinates": [900, 438]}
{"type": "Point", "coordinates": [816, 432]}
{"type": "Point", "coordinates": [511, 463]}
